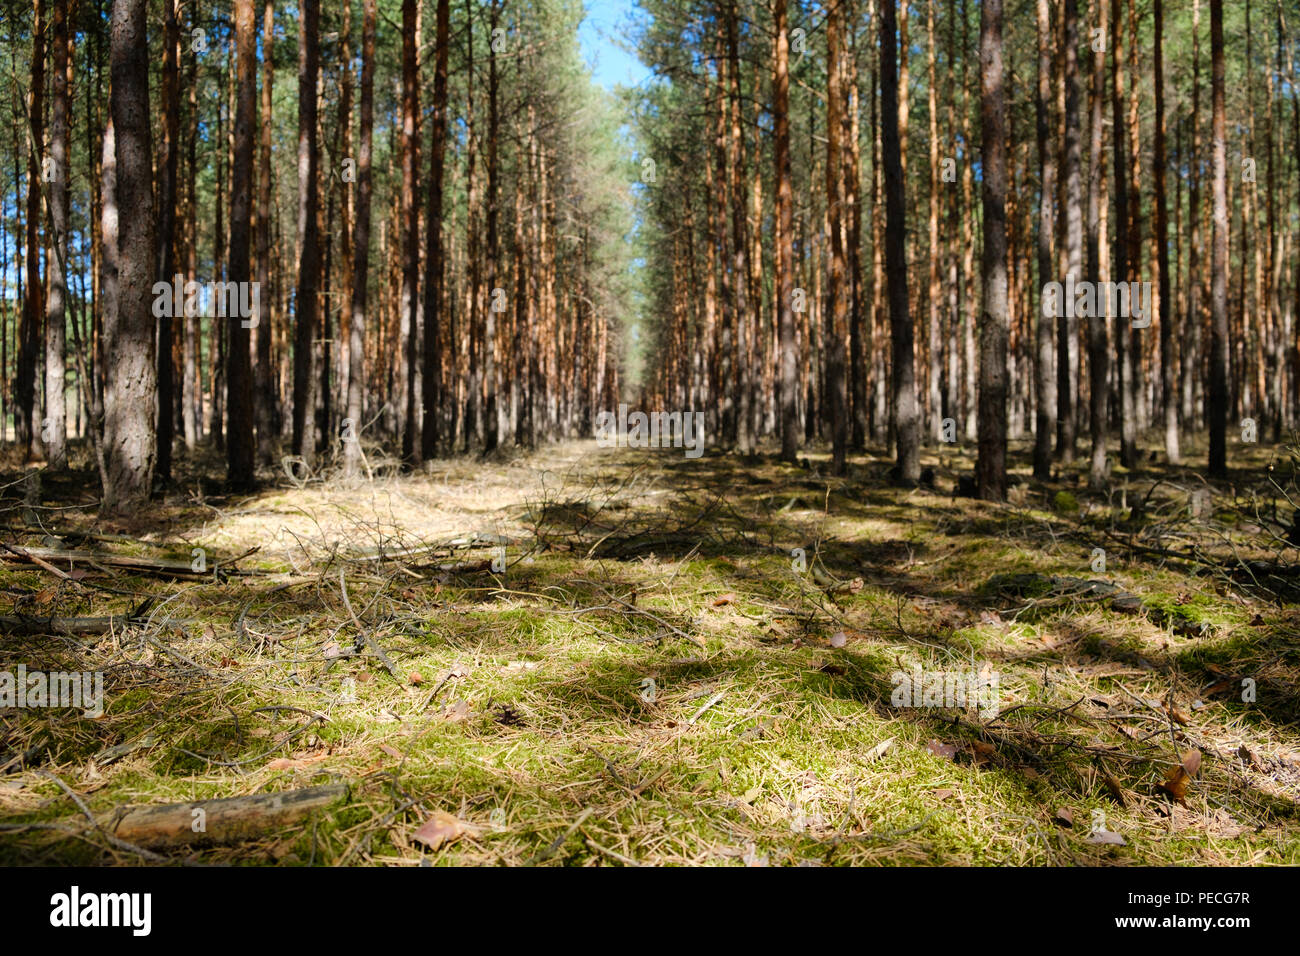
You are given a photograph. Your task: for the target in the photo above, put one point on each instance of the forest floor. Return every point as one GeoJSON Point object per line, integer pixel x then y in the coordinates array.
{"type": "Point", "coordinates": [658, 676]}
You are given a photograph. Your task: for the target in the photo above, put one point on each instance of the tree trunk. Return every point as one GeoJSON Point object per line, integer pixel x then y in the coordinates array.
{"type": "Point", "coordinates": [130, 387]}
{"type": "Point", "coordinates": [435, 267]}
{"type": "Point", "coordinates": [907, 425]}
{"type": "Point", "coordinates": [1044, 366]}
{"type": "Point", "coordinates": [33, 305]}
{"type": "Point", "coordinates": [308, 231]}
{"type": "Point", "coordinates": [54, 427]}
{"type": "Point", "coordinates": [267, 401]}
{"type": "Point", "coordinates": [991, 468]}
{"type": "Point", "coordinates": [1218, 398]}
{"type": "Point", "coordinates": [1067, 328]}
{"type": "Point", "coordinates": [784, 235]}
{"type": "Point", "coordinates": [1168, 397]}
{"type": "Point", "coordinates": [360, 252]}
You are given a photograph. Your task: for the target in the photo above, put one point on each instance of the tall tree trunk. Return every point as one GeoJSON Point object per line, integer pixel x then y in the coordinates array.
{"type": "Point", "coordinates": [265, 412]}
{"type": "Point", "coordinates": [54, 428]}
{"type": "Point", "coordinates": [1168, 396]}
{"type": "Point", "coordinates": [130, 386]}
{"type": "Point", "coordinates": [410, 224]}
{"type": "Point", "coordinates": [932, 290]}
{"type": "Point", "coordinates": [784, 236]}
{"type": "Point", "coordinates": [740, 241]}
{"type": "Point", "coordinates": [239, 371]}
{"type": "Point", "coordinates": [835, 304]}
{"type": "Point", "coordinates": [490, 415]}
{"type": "Point", "coordinates": [1192, 325]}
{"type": "Point", "coordinates": [991, 468]}
{"type": "Point", "coordinates": [435, 267]}
{"type": "Point", "coordinates": [308, 230]}
{"type": "Point", "coordinates": [1218, 398]}
{"type": "Point", "coordinates": [360, 251]}
{"type": "Point", "coordinates": [33, 306]}
{"type": "Point", "coordinates": [907, 424]}
{"type": "Point", "coordinates": [165, 255]}
{"type": "Point", "coordinates": [1044, 366]}
{"type": "Point", "coordinates": [1067, 328]}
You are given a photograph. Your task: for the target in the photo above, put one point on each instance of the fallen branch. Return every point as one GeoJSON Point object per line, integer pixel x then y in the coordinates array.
{"type": "Point", "coordinates": [219, 821]}
{"type": "Point", "coordinates": [166, 566]}
{"type": "Point", "coordinates": [29, 625]}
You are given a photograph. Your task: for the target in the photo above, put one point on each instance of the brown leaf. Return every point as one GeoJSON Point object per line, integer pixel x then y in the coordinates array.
{"type": "Point", "coordinates": [983, 752]}
{"type": "Point", "coordinates": [1115, 789]}
{"type": "Point", "coordinates": [946, 751]}
{"type": "Point", "coordinates": [1063, 818]}
{"type": "Point", "coordinates": [45, 595]}
{"type": "Point", "coordinates": [722, 599]}
{"type": "Point", "coordinates": [1177, 779]}
{"type": "Point", "coordinates": [1250, 757]}
{"type": "Point", "coordinates": [442, 828]}
{"type": "Point", "coordinates": [1218, 687]}
{"type": "Point", "coordinates": [457, 711]}
{"type": "Point", "coordinates": [391, 751]}
{"type": "Point", "coordinates": [943, 794]}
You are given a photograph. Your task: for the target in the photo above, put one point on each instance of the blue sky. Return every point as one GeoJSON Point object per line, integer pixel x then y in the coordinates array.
{"type": "Point", "coordinates": [602, 37]}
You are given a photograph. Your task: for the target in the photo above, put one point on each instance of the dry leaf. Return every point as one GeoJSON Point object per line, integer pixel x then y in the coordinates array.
{"type": "Point", "coordinates": [1177, 779]}
{"type": "Point", "coordinates": [1250, 757]}
{"type": "Point", "coordinates": [722, 599]}
{"type": "Point", "coordinates": [1106, 837]}
{"type": "Point", "coordinates": [1063, 818]}
{"type": "Point", "coordinates": [457, 711]}
{"type": "Point", "coordinates": [391, 751]}
{"type": "Point", "coordinates": [839, 639]}
{"type": "Point", "coordinates": [942, 794]}
{"type": "Point", "coordinates": [332, 650]}
{"type": "Point", "coordinates": [946, 751]}
{"type": "Point", "coordinates": [45, 595]}
{"type": "Point", "coordinates": [441, 828]}
{"type": "Point", "coordinates": [1115, 789]}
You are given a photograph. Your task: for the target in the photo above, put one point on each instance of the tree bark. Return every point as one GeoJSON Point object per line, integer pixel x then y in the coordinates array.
{"type": "Point", "coordinates": [907, 424]}
{"type": "Point", "coordinates": [130, 386]}
{"type": "Point", "coordinates": [991, 470]}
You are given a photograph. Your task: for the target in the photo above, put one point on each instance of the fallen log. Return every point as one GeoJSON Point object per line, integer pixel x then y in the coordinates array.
{"type": "Point", "coordinates": [227, 820]}
{"type": "Point", "coordinates": [34, 625]}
